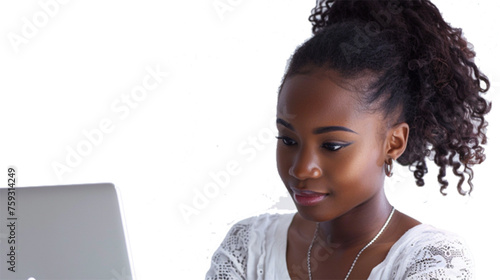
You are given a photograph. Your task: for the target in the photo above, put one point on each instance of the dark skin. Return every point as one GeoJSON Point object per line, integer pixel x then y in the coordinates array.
{"type": "Point", "coordinates": [332, 146]}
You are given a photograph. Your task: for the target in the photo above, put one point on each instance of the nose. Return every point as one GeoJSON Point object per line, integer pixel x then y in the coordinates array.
{"type": "Point", "coordinates": [305, 165]}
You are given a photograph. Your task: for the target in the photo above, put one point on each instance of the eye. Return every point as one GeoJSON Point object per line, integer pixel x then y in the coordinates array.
{"type": "Point", "coordinates": [286, 140]}
{"type": "Point", "coordinates": [334, 146]}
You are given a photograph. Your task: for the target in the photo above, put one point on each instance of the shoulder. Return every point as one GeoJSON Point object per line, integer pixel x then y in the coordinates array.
{"type": "Point", "coordinates": [261, 223]}
{"type": "Point", "coordinates": [266, 218]}
{"type": "Point", "coordinates": [236, 250]}
{"type": "Point", "coordinates": [438, 253]}
{"type": "Point", "coordinates": [425, 252]}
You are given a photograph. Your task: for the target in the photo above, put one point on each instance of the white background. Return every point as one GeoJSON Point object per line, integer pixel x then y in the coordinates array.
{"type": "Point", "coordinates": [69, 72]}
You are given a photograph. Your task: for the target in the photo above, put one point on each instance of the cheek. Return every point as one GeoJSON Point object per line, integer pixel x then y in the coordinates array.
{"type": "Point", "coordinates": [282, 162]}
{"type": "Point", "coordinates": [359, 168]}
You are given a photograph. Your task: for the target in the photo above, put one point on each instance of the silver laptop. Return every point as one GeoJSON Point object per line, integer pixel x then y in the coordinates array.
{"type": "Point", "coordinates": [62, 232]}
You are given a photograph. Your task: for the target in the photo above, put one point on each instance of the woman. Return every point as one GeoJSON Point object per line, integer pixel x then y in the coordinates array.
{"type": "Point", "coordinates": [379, 82]}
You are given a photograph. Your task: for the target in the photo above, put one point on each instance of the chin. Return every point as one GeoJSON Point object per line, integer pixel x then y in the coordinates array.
{"type": "Point", "coordinates": [314, 213]}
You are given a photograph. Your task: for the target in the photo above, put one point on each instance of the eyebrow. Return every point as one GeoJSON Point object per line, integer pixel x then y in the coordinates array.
{"type": "Point", "coordinates": [318, 130]}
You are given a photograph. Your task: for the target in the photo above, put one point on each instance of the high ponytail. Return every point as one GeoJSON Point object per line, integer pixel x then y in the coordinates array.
{"type": "Point", "coordinates": [423, 68]}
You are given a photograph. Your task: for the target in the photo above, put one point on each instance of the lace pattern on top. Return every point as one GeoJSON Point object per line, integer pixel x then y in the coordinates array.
{"type": "Point", "coordinates": [423, 253]}
{"type": "Point", "coordinates": [439, 257]}
{"type": "Point", "coordinates": [229, 262]}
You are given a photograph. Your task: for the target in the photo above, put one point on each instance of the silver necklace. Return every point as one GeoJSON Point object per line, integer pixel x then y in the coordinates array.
{"type": "Point", "coordinates": [357, 256]}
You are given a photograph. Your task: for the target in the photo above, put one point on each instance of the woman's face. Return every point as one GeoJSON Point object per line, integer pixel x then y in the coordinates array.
{"type": "Point", "coordinates": [330, 153]}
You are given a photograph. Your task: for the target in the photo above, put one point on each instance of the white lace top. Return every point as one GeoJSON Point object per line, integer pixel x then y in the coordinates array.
{"type": "Point", "coordinates": [255, 249]}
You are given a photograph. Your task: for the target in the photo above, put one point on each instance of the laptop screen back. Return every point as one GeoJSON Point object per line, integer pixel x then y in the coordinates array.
{"type": "Point", "coordinates": [63, 232]}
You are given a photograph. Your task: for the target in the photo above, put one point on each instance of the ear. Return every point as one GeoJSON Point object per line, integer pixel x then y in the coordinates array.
{"type": "Point", "coordinates": [396, 141]}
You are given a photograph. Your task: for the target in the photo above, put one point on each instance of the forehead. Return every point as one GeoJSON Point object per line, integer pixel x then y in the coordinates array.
{"type": "Point", "coordinates": [323, 98]}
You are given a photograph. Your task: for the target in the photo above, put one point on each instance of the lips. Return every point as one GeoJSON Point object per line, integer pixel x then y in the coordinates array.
{"type": "Point", "coordinates": [307, 198]}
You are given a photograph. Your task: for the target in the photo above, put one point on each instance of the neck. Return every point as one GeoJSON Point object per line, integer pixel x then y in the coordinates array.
{"type": "Point", "coordinates": [358, 226]}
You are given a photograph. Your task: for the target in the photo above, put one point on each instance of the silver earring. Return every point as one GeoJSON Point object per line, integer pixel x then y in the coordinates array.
{"type": "Point", "coordinates": [388, 168]}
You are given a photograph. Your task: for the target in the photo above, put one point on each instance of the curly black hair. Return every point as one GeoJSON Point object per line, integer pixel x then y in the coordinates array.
{"type": "Point", "coordinates": [423, 68]}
